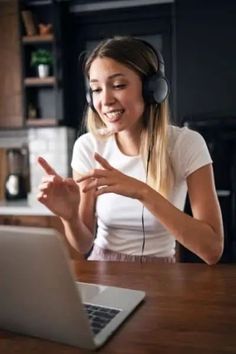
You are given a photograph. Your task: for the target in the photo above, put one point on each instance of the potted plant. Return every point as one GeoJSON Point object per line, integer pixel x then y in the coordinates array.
{"type": "Point", "coordinates": [42, 59]}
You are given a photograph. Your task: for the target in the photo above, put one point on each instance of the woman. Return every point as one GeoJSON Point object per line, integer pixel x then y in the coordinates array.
{"type": "Point", "coordinates": [132, 171]}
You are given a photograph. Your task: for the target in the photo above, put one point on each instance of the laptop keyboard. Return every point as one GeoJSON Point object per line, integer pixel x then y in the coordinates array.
{"type": "Point", "coordinates": [100, 316]}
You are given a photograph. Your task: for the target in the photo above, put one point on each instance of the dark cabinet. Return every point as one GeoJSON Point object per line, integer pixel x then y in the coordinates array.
{"type": "Point", "coordinates": [41, 62]}
{"type": "Point", "coordinates": [32, 28]}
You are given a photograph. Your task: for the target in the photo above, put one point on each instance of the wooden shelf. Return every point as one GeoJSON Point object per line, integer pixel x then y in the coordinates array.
{"type": "Point", "coordinates": [38, 39]}
{"type": "Point", "coordinates": [42, 122]}
{"type": "Point", "coordinates": [42, 103]}
{"type": "Point", "coordinates": [37, 81]}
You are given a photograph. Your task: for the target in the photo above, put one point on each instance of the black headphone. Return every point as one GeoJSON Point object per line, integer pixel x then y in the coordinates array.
{"type": "Point", "coordinates": [155, 86]}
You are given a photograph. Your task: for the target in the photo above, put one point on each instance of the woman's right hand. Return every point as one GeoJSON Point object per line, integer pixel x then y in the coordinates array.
{"type": "Point", "coordinates": [60, 195]}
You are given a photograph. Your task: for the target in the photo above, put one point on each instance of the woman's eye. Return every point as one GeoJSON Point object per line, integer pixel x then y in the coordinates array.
{"type": "Point", "coordinates": [95, 90]}
{"type": "Point", "coordinates": [119, 86]}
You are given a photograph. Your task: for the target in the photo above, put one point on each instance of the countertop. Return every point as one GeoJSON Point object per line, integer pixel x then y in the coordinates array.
{"type": "Point", "coordinates": [23, 207]}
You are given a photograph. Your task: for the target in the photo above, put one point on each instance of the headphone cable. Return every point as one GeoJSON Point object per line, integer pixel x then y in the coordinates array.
{"type": "Point", "coordinates": [142, 218]}
{"type": "Point", "coordinates": [147, 170]}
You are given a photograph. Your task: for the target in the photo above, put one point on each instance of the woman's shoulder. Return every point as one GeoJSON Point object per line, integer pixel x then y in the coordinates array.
{"type": "Point", "coordinates": [188, 150]}
{"type": "Point", "coordinates": [177, 131]}
{"type": "Point", "coordinates": [83, 152]}
{"type": "Point", "coordinates": [182, 136]}
{"type": "Point", "coordinates": [85, 138]}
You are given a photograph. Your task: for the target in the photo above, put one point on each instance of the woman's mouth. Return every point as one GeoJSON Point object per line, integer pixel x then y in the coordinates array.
{"type": "Point", "coordinates": [114, 115]}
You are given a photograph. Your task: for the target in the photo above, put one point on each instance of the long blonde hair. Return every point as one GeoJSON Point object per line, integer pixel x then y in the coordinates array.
{"type": "Point", "coordinates": [134, 54]}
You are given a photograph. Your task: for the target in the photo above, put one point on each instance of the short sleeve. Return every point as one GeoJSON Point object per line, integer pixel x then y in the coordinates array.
{"type": "Point", "coordinates": [83, 154]}
{"type": "Point", "coordinates": [190, 152]}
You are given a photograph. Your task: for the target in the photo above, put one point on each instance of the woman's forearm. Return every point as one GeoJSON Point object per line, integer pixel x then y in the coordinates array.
{"type": "Point", "coordinates": [196, 235]}
{"type": "Point", "coordinates": [78, 235]}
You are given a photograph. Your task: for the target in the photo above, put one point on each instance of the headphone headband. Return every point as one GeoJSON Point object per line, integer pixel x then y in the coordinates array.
{"type": "Point", "coordinates": [157, 53]}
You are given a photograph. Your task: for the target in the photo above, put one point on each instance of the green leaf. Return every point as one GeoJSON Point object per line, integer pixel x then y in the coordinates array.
{"type": "Point", "coordinates": [41, 56]}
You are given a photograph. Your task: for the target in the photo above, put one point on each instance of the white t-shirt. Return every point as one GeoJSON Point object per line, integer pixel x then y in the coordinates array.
{"type": "Point", "coordinates": [119, 218]}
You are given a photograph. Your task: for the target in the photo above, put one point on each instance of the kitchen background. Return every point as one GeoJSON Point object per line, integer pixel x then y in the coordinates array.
{"type": "Point", "coordinates": [41, 113]}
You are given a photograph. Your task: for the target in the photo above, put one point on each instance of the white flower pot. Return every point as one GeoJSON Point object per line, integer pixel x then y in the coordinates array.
{"type": "Point", "coordinates": [43, 70]}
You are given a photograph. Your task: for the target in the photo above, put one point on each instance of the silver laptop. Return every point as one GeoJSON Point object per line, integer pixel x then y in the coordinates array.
{"type": "Point", "coordinates": [39, 296]}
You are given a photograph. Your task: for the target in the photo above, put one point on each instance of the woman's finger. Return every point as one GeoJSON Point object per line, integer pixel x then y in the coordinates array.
{"type": "Point", "coordinates": [103, 190]}
{"type": "Point", "coordinates": [96, 173]}
{"type": "Point", "coordinates": [103, 162]}
{"type": "Point", "coordinates": [49, 178]}
{"type": "Point", "coordinates": [46, 167]}
{"type": "Point", "coordinates": [95, 183]}
{"type": "Point", "coordinates": [42, 197]}
{"type": "Point", "coordinates": [44, 186]}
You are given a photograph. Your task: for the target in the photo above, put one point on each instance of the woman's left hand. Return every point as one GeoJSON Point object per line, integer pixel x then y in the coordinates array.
{"type": "Point", "coordinates": [110, 180]}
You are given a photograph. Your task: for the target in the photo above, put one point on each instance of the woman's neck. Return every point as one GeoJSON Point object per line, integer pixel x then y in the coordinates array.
{"type": "Point", "coordinates": [129, 144]}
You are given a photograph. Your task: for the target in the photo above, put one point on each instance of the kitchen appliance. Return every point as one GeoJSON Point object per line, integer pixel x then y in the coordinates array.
{"type": "Point", "coordinates": [16, 180]}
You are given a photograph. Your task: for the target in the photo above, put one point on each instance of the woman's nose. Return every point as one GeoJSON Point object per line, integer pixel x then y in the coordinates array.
{"type": "Point", "coordinates": [107, 97]}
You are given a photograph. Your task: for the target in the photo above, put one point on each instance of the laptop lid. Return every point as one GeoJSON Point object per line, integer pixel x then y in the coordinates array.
{"type": "Point", "coordinates": [38, 293]}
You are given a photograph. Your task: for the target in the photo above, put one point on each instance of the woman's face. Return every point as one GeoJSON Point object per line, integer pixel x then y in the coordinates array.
{"type": "Point", "coordinates": [117, 95]}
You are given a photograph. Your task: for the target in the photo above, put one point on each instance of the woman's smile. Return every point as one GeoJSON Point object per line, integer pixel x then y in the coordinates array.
{"type": "Point", "coordinates": [114, 115]}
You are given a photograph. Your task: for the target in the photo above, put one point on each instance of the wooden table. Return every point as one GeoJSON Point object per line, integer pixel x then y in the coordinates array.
{"type": "Point", "coordinates": [189, 308]}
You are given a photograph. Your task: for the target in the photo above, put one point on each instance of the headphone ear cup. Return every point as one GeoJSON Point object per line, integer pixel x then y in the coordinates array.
{"type": "Point", "coordinates": [155, 88]}
{"type": "Point", "coordinates": [89, 98]}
